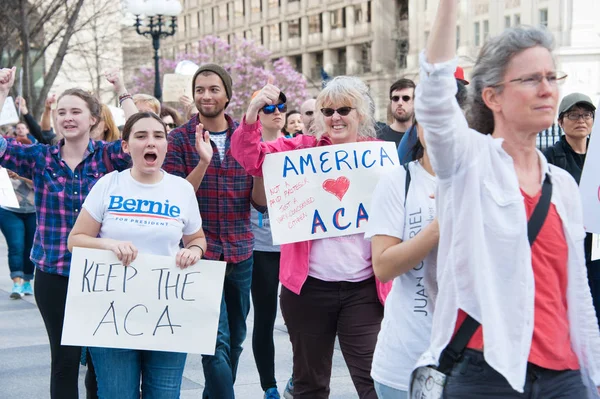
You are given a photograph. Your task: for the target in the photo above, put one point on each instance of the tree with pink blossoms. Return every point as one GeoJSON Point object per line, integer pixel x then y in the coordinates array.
{"type": "Point", "coordinates": [248, 63]}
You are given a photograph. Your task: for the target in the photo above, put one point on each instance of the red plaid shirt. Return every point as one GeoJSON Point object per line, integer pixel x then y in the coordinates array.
{"type": "Point", "coordinates": [224, 194]}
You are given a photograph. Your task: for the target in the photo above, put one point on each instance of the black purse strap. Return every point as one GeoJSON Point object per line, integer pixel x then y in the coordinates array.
{"type": "Point", "coordinates": [453, 352]}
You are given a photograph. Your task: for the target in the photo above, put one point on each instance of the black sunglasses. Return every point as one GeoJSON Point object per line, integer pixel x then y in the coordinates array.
{"type": "Point", "coordinates": [343, 111]}
{"type": "Point", "coordinates": [309, 113]}
{"type": "Point", "coordinates": [404, 98]}
{"type": "Point", "coordinates": [269, 109]}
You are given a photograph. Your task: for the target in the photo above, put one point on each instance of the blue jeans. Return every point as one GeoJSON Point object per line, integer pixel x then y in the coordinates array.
{"type": "Point", "coordinates": [220, 370]}
{"type": "Point", "coordinates": [387, 392]}
{"type": "Point", "coordinates": [118, 373]}
{"type": "Point", "coordinates": [18, 229]}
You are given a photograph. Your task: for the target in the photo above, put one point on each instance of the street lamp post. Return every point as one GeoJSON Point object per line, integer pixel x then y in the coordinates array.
{"type": "Point", "coordinates": [157, 13]}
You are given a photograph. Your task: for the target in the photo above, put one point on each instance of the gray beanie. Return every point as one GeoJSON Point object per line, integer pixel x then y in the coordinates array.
{"type": "Point", "coordinates": [218, 70]}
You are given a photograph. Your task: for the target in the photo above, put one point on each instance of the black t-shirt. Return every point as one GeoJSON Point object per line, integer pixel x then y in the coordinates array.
{"type": "Point", "coordinates": [388, 134]}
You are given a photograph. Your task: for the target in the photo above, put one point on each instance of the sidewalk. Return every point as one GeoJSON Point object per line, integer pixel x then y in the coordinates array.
{"type": "Point", "coordinates": [25, 355]}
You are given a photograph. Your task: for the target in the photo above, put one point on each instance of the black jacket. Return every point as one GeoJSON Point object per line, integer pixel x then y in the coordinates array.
{"type": "Point", "coordinates": [562, 155]}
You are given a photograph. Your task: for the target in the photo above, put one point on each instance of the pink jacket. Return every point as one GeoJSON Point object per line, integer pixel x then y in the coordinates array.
{"type": "Point", "coordinates": [249, 150]}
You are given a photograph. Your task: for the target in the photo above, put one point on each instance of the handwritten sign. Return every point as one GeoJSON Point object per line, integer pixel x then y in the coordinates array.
{"type": "Point", "coordinates": [175, 86]}
{"type": "Point", "coordinates": [9, 113]}
{"type": "Point", "coordinates": [324, 191]}
{"type": "Point", "coordinates": [150, 304]}
{"type": "Point", "coordinates": [589, 185]}
{"type": "Point", "coordinates": [7, 192]}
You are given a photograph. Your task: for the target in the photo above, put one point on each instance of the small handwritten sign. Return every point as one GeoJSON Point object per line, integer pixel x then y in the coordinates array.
{"type": "Point", "coordinates": [7, 193]}
{"type": "Point", "coordinates": [324, 191]}
{"type": "Point", "coordinates": [589, 185]}
{"type": "Point", "coordinates": [9, 114]}
{"type": "Point", "coordinates": [150, 304]}
{"type": "Point", "coordinates": [175, 86]}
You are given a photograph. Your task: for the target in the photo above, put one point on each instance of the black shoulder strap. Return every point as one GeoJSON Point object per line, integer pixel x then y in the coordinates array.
{"type": "Point", "coordinates": [538, 217]}
{"type": "Point", "coordinates": [406, 182]}
{"type": "Point", "coordinates": [453, 352]}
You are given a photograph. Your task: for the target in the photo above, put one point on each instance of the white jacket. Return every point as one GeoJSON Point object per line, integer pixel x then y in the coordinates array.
{"type": "Point", "coordinates": [484, 257]}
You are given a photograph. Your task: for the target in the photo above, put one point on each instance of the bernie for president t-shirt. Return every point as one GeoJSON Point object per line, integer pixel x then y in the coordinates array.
{"type": "Point", "coordinates": [153, 217]}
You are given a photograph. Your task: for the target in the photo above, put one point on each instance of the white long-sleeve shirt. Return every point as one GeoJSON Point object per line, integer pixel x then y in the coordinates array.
{"type": "Point", "coordinates": [484, 257]}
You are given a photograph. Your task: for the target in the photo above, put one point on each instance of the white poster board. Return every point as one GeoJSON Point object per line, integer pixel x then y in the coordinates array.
{"type": "Point", "coordinates": [7, 192]}
{"type": "Point", "coordinates": [325, 191]}
{"type": "Point", "coordinates": [175, 86]}
{"type": "Point", "coordinates": [9, 114]}
{"type": "Point", "coordinates": [589, 185]}
{"type": "Point", "coordinates": [150, 304]}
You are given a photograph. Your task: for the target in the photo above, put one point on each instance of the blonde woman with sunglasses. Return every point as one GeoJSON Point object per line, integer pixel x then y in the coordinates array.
{"type": "Point", "coordinates": [329, 286]}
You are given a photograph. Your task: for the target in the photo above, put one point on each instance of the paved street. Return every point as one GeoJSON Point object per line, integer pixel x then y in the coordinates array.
{"type": "Point", "coordinates": [25, 355]}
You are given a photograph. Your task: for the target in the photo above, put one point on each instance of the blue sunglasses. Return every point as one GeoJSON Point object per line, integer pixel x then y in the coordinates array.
{"type": "Point", "coordinates": [269, 109]}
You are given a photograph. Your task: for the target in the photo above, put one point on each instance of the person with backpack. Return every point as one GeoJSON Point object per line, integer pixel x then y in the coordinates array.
{"type": "Point", "coordinates": [576, 115]}
{"type": "Point", "coordinates": [404, 233]}
{"type": "Point", "coordinates": [511, 262]}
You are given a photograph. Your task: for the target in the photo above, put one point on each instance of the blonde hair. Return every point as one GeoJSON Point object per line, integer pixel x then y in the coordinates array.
{"type": "Point", "coordinates": [346, 91]}
{"type": "Point", "coordinates": [111, 131]}
{"type": "Point", "coordinates": [149, 100]}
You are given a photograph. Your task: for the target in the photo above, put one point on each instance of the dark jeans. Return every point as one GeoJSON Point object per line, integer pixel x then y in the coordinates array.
{"type": "Point", "coordinates": [50, 295]}
{"type": "Point", "coordinates": [473, 378]}
{"type": "Point", "coordinates": [265, 285]}
{"type": "Point", "coordinates": [593, 269]}
{"type": "Point", "coordinates": [91, 384]}
{"type": "Point", "coordinates": [351, 311]}
{"type": "Point", "coordinates": [18, 229]}
{"type": "Point", "coordinates": [220, 370]}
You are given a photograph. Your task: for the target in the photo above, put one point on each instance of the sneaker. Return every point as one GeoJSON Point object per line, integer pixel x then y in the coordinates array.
{"type": "Point", "coordinates": [17, 291]}
{"type": "Point", "coordinates": [27, 290]}
{"type": "Point", "coordinates": [289, 389]}
{"type": "Point", "coordinates": [272, 393]}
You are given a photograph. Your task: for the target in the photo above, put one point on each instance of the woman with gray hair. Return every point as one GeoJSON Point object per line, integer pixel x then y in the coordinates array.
{"type": "Point", "coordinates": [328, 285]}
{"type": "Point", "coordinates": [538, 334]}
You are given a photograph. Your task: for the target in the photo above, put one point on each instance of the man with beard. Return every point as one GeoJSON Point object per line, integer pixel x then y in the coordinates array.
{"type": "Point", "coordinates": [223, 190]}
{"type": "Point", "coordinates": [307, 114]}
{"type": "Point", "coordinates": [402, 94]}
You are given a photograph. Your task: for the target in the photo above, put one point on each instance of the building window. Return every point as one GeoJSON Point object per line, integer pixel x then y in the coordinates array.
{"type": "Point", "coordinates": [262, 35]}
{"type": "Point", "coordinates": [486, 30]}
{"type": "Point", "coordinates": [477, 33]}
{"type": "Point", "coordinates": [314, 23]}
{"type": "Point", "coordinates": [544, 18]}
{"type": "Point", "coordinates": [338, 18]}
{"type": "Point", "coordinates": [368, 11]}
{"type": "Point", "coordinates": [507, 21]}
{"type": "Point", "coordinates": [457, 37]}
{"type": "Point", "coordinates": [239, 8]}
{"type": "Point", "coordinates": [213, 14]}
{"type": "Point", "coordinates": [365, 58]}
{"type": "Point", "coordinates": [426, 36]}
{"type": "Point", "coordinates": [274, 3]}
{"type": "Point", "coordinates": [517, 20]}
{"type": "Point", "coordinates": [358, 15]}
{"type": "Point", "coordinates": [298, 62]}
{"type": "Point", "coordinates": [256, 6]}
{"type": "Point", "coordinates": [198, 18]}
{"type": "Point", "coordinates": [294, 28]}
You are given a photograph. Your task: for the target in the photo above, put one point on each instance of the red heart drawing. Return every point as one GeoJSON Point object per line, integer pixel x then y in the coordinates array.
{"type": "Point", "coordinates": [337, 187]}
